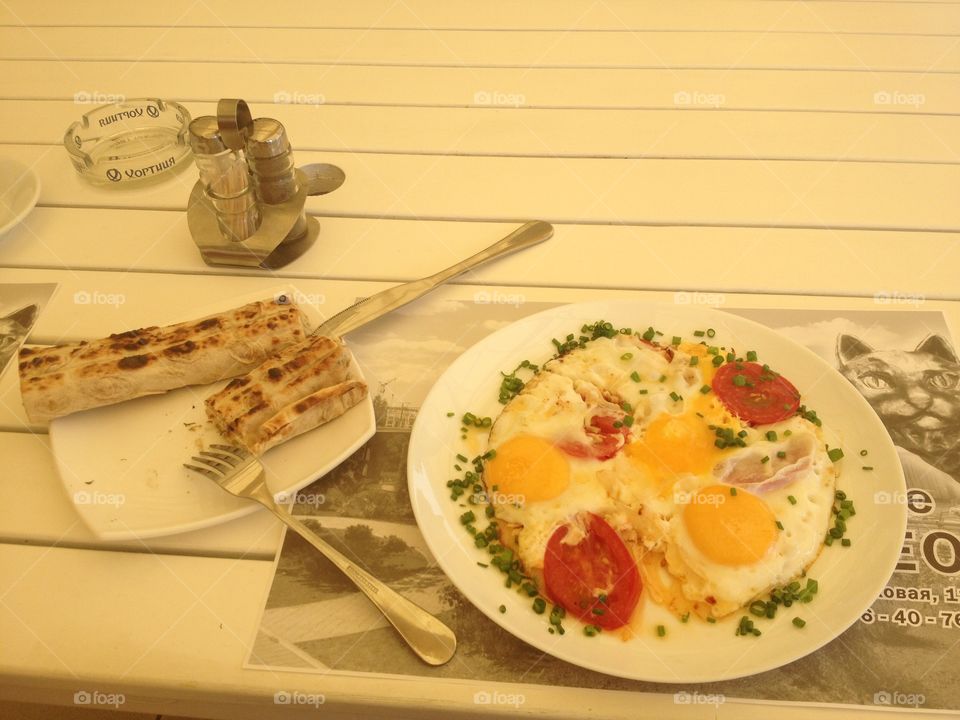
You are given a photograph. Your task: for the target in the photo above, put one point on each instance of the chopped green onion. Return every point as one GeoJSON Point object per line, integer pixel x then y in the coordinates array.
{"type": "Point", "coordinates": [792, 499]}
{"type": "Point", "coordinates": [779, 525]}
{"type": "Point", "coordinates": [539, 605]}
{"type": "Point", "coordinates": [717, 361]}
{"type": "Point", "coordinates": [503, 608]}
{"type": "Point", "coordinates": [694, 360]}
{"type": "Point", "coordinates": [733, 491]}
{"type": "Point", "coordinates": [868, 467]}
{"type": "Point", "coordinates": [835, 454]}
{"type": "Point", "coordinates": [705, 389]}
{"type": "Point", "coordinates": [661, 631]}
{"type": "Point", "coordinates": [765, 459]}
{"type": "Point", "coordinates": [676, 340]}
{"type": "Point", "coordinates": [711, 332]}
{"type": "Point", "coordinates": [846, 542]}
{"type": "Point", "coordinates": [863, 453]}
{"type": "Point", "coordinates": [751, 355]}
{"type": "Point", "coordinates": [590, 630]}
{"type": "Point", "coordinates": [799, 622]}
{"type": "Point", "coordinates": [626, 356]}
{"type": "Point", "coordinates": [771, 435]}
{"type": "Point", "coordinates": [781, 454]}
{"type": "Point", "coordinates": [740, 380]}
{"type": "Point", "coordinates": [698, 333]}
{"type": "Point", "coordinates": [674, 397]}
{"type": "Point", "coordinates": [635, 376]}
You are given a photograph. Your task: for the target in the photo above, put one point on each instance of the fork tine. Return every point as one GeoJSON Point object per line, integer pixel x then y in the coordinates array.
{"type": "Point", "coordinates": [236, 452]}
{"type": "Point", "coordinates": [204, 471]}
{"type": "Point", "coordinates": [218, 458]}
{"type": "Point", "coordinates": [211, 466]}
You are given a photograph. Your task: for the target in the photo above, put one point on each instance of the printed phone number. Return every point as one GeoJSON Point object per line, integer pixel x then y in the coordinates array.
{"type": "Point", "coordinates": [911, 617]}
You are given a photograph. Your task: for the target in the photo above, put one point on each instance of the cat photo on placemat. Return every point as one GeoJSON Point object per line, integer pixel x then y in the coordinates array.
{"type": "Point", "coordinates": [916, 393]}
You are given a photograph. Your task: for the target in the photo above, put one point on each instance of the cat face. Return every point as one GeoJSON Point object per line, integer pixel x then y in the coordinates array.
{"type": "Point", "coordinates": [915, 392]}
{"type": "Point", "coordinates": [11, 333]}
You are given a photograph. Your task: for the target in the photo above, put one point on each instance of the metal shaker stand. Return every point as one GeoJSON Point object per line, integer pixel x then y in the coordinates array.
{"type": "Point", "coordinates": [269, 246]}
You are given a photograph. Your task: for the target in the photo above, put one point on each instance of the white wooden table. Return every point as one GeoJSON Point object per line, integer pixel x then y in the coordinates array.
{"type": "Point", "coordinates": [782, 153]}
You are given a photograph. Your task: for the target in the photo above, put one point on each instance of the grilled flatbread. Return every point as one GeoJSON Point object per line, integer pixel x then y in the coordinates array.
{"type": "Point", "coordinates": [247, 402]}
{"type": "Point", "coordinates": [64, 379]}
{"type": "Point", "coordinates": [310, 412]}
{"type": "Point", "coordinates": [304, 386]}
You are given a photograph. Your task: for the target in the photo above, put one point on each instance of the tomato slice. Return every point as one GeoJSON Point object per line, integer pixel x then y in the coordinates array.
{"type": "Point", "coordinates": [575, 576]}
{"type": "Point", "coordinates": [605, 440]}
{"type": "Point", "coordinates": [755, 395]}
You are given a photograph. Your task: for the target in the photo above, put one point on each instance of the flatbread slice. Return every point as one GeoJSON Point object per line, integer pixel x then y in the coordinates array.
{"type": "Point", "coordinates": [306, 414]}
{"type": "Point", "coordinates": [60, 380]}
{"type": "Point", "coordinates": [247, 402]}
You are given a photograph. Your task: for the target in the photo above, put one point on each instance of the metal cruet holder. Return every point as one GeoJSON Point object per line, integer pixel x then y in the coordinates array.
{"type": "Point", "coordinates": [241, 159]}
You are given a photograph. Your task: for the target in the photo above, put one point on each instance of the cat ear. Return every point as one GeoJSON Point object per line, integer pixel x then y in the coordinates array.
{"type": "Point", "coordinates": [936, 345]}
{"type": "Point", "coordinates": [849, 347]}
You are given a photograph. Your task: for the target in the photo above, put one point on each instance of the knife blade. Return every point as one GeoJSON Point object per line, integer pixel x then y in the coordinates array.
{"type": "Point", "coordinates": [362, 312]}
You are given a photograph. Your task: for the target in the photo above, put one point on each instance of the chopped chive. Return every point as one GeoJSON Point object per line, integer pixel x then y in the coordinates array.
{"type": "Point", "coordinates": [676, 340]}
{"type": "Point", "coordinates": [781, 454]}
{"type": "Point", "coordinates": [868, 467]}
{"type": "Point", "coordinates": [799, 622]}
{"type": "Point", "coordinates": [733, 491]}
{"type": "Point", "coordinates": [662, 378]}
{"type": "Point", "coordinates": [628, 420]}
{"type": "Point", "coordinates": [711, 332]}
{"type": "Point", "coordinates": [740, 380]}
{"type": "Point", "coordinates": [751, 355]}
{"type": "Point", "coordinates": [539, 605]}
{"type": "Point", "coordinates": [765, 459]}
{"type": "Point", "coordinates": [694, 360]}
{"type": "Point", "coordinates": [698, 333]}
{"type": "Point", "coordinates": [590, 630]}
{"type": "Point", "coordinates": [635, 376]}
{"type": "Point", "coordinates": [467, 518]}
{"type": "Point", "coordinates": [771, 435]}
{"type": "Point", "coordinates": [717, 361]}
{"type": "Point", "coordinates": [713, 350]}
{"type": "Point", "coordinates": [674, 397]}
{"type": "Point", "coordinates": [787, 433]}
{"type": "Point", "coordinates": [648, 335]}
{"type": "Point", "coordinates": [779, 525]}
{"type": "Point", "coordinates": [835, 454]}
{"type": "Point", "coordinates": [661, 631]}
{"type": "Point", "coordinates": [482, 564]}
{"type": "Point", "coordinates": [462, 458]}
{"type": "Point", "coordinates": [792, 499]}
{"type": "Point", "coordinates": [686, 615]}
{"type": "Point", "coordinates": [503, 608]}
{"type": "Point", "coordinates": [450, 414]}
{"type": "Point", "coordinates": [626, 356]}
{"type": "Point", "coordinates": [711, 620]}
{"type": "Point", "coordinates": [705, 389]}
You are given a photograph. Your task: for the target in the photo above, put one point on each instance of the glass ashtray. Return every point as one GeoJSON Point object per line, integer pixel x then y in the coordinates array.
{"type": "Point", "coordinates": [130, 142]}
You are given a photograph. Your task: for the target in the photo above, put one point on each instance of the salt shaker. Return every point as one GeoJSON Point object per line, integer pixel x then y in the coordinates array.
{"type": "Point", "coordinates": [226, 180]}
{"type": "Point", "coordinates": [270, 158]}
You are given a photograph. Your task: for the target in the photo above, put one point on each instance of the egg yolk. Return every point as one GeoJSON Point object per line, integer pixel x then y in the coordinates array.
{"type": "Point", "coordinates": [674, 444]}
{"type": "Point", "coordinates": [730, 529]}
{"type": "Point", "coordinates": [528, 467]}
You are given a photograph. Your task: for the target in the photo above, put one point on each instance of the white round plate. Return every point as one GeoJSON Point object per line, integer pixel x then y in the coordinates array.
{"type": "Point", "coordinates": [19, 190]}
{"type": "Point", "coordinates": [850, 578]}
{"type": "Point", "coordinates": [122, 465]}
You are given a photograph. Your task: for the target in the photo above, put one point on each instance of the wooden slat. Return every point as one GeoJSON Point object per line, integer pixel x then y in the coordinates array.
{"type": "Point", "coordinates": [736, 50]}
{"type": "Point", "coordinates": [827, 17]}
{"type": "Point", "coordinates": [845, 262]}
{"type": "Point", "coordinates": [666, 192]}
{"type": "Point", "coordinates": [560, 133]}
{"type": "Point", "coordinates": [30, 480]}
{"type": "Point", "coordinates": [489, 87]}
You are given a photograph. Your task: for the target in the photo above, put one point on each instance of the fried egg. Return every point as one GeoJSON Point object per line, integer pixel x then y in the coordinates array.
{"type": "Point", "coordinates": [628, 431]}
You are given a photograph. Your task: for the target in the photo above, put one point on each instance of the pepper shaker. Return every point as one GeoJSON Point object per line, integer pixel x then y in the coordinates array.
{"type": "Point", "coordinates": [270, 158]}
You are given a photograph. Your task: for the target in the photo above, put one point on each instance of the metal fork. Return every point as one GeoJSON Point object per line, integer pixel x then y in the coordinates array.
{"type": "Point", "coordinates": [241, 474]}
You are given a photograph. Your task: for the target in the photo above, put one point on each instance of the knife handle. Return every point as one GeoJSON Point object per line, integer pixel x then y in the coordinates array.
{"type": "Point", "coordinates": [388, 300]}
{"type": "Point", "coordinates": [525, 236]}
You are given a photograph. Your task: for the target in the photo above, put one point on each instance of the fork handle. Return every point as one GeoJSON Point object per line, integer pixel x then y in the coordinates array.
{"type": "Point", "coordinates": [429, 638]}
